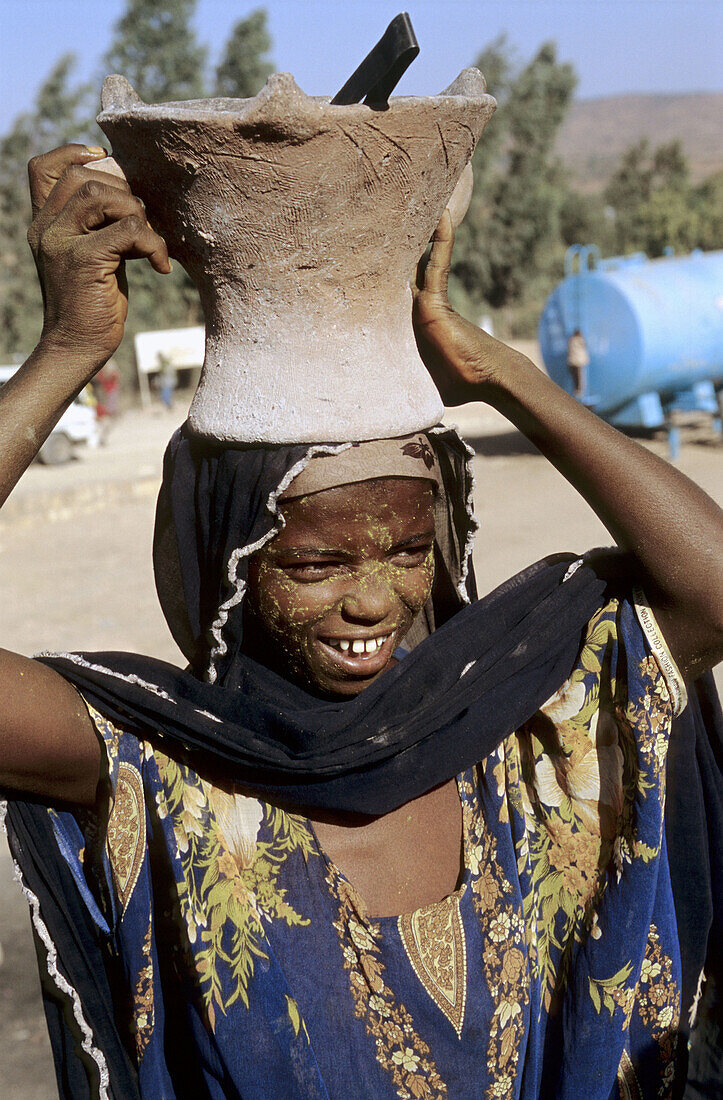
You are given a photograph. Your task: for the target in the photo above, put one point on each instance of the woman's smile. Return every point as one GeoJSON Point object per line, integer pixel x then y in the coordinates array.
{"type": "Point", "coordinates": [361, 656]}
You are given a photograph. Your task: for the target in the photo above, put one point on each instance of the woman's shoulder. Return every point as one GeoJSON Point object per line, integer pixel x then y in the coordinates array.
{"type": "Point", "coordinates": [623, 658]}
{"type": "Point", "coordinates": [600, 741]}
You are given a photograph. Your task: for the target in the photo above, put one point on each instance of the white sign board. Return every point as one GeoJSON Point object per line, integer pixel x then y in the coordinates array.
{"type": "Point", "coordinates": [178, 347]}
{"type": "Point", "coordinates": [181, 347]}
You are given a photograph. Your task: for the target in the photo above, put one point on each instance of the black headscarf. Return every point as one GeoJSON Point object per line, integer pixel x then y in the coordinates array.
{"type": "Point", "coordinates": [477, 669]}
{"type": "Point", "coordinates": [218, 505]}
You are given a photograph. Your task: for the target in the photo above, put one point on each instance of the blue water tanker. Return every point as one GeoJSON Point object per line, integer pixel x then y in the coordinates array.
{"type": "Point", "coordinates": [653, 329]}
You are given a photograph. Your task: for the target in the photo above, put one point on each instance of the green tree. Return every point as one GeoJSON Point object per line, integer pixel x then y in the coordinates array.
{"type": "Point", "coordinates": [155, 48]}
{"type": "Point", "coordinates": [528, 198]}
{"type": "Point", "coordinates": [245, 67]}
{"type": "Point", "coordinates": [513, 240]}
{"type": "Point", "coordinates": [670, 167]}
{"type": "Point", "coordinates": [470, 277]}
{"type": "Point", "coordinates": [627, 189]}
{"type": "Point", "coordinates": [497, 64]}
{"type": "Point", "coordinates": [585, 219]}
{"type": "Point", "coordinates": [708, 202]}
{"type": "Point", "coordinates": [653, 200]}
{"type": "Point", "coordinates": [61, 113]}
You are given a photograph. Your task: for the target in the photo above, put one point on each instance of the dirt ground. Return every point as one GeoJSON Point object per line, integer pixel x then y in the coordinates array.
{"type": "Point", "coordinates": [75, 573]}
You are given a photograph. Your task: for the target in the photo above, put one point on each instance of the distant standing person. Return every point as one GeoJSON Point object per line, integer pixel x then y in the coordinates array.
{"type": "Point", "coordinates": [167, 381]}
{"type": "Point", "coordinates": [578, 359]}
{"type": "Point", "coordinates": [106, 385]}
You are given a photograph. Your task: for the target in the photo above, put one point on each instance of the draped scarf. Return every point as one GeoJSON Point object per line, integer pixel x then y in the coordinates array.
{"type": "Point", "coordinates": [477, 668]}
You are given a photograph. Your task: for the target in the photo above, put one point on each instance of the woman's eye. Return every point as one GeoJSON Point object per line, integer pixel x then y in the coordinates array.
{"type": "Point", "coordinates": [312, 570]}
{"type": "Point", "coordinates": [411, 557]}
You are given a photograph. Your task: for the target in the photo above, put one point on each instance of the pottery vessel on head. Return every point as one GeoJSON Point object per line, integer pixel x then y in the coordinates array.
{"type": "Point", "coordinates": [301, 224]}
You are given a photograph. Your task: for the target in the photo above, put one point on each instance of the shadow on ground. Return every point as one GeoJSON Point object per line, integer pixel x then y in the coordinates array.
{"type": "Point", "coordinates": [500, 445]}
{"type": "Point", "coordinates": [512, 443]}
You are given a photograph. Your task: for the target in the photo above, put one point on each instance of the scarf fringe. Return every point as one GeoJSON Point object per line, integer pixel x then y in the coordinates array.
{"type": "Point", "coordinates": [51, 962]}
{"type": "Point", "coordinates": [474, 524]}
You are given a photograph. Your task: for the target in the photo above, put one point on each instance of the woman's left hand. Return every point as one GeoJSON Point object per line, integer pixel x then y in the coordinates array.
{"type": "Point", "coordinates": [464, 362]}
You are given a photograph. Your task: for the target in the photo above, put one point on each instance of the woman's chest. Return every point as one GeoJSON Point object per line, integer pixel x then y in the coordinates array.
{"type": "Point", "coordinates": [402, 861]}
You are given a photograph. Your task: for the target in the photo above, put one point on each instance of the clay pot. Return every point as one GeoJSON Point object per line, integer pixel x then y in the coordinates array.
{"type": "Point", "coordinates": [301, 224]}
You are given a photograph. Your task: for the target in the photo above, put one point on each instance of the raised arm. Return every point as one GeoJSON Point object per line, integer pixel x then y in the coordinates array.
{"type": "Point", "coordinates": [85, 224]}
{"type": "Point", "coordinates": [671, 527]}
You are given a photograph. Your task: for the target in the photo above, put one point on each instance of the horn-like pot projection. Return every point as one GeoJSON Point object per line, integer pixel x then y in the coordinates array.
{"type": "Point", "coordinates": [301, 224]}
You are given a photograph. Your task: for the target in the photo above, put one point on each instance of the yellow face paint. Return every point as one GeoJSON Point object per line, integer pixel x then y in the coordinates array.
{"type": "Point", "coordinates": [335, 592]}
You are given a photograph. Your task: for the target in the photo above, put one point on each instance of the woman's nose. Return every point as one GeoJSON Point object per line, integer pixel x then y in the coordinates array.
{"type": "Point", "coordinates": [368, 598]}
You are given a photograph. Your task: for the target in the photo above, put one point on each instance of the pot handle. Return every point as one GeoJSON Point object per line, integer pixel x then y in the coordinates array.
{"type": "Point", "coordinates": [383, 67]}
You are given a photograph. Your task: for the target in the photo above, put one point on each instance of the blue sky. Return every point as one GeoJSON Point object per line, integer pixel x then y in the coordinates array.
{"type": "Point", "coordinates": [616, 46]}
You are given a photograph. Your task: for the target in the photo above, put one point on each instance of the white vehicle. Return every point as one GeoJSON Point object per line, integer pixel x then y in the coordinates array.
{"type": "Point", "coordinates": [78, 425]}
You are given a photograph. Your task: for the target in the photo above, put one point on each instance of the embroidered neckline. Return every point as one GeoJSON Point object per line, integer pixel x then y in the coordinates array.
{"type": "Point", "coordinates": [434, 941]}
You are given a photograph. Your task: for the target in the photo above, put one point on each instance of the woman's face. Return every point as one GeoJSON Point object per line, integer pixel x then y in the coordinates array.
{"type": "Point", "coordinates": [334, 593]}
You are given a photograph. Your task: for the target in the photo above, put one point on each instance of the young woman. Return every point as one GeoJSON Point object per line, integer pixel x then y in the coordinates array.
{"type": "Point", "coordinates": [381, 838]}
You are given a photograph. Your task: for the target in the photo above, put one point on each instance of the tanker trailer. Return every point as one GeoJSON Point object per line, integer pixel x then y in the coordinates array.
{"type": "Point", "coordinates": [653, 330]}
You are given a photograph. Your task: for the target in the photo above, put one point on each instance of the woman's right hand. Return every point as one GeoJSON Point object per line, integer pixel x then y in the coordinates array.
{"type": "Point", "coordinates": [85, 224]}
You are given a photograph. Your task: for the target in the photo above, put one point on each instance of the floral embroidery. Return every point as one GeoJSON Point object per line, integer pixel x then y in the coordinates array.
{"type": "Point", "coordinates": [126, 834]}
{"type": "Point", "coordinates": [650, 716]}
{"type": "Point", "coordinates": [399, 1049]}
{"type": "Point", "coordinates": [645, 728]}
{"type": "Point", "coordinates": [577, 761]}
{"type": "Point", "coordinates": [433, 938]}
{"type": "Point", "coordinates": [143, 1011]}
{"type": "Point", "coordinates": [107, 730]}
{"type": "Point", "coordinates": [230, 878]}
{"type": "Point", "coordinates": [613, 992]}
{"type": "Point", "coordinates": [657, 1000]}
{"type": "Point", "coordinates": [419, 448]}
{"type": "Point", "coordinates": [297, 1020]}
{"type": "Point", "coordinates": [504, 962]}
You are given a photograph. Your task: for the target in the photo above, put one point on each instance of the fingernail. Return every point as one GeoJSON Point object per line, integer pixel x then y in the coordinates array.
{"type": "Point", "coordinates": [96, 150]}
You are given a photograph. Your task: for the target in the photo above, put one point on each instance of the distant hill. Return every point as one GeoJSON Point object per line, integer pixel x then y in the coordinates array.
{"type": "Point", "coordinates": [597, 131]}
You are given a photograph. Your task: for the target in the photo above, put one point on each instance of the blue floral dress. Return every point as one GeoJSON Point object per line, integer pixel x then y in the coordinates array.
{"type": "Point", "coordinates": [248, 966]}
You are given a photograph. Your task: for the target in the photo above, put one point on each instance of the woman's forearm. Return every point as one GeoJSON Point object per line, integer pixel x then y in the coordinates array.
{"type": "Point", "coordinates": [31, 403]}
{"type": "Point", "coordinates": [673, 529]}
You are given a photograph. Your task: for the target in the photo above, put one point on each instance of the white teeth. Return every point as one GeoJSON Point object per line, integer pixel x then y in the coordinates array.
{"type": "Point", "coordinates": [359, 645]}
